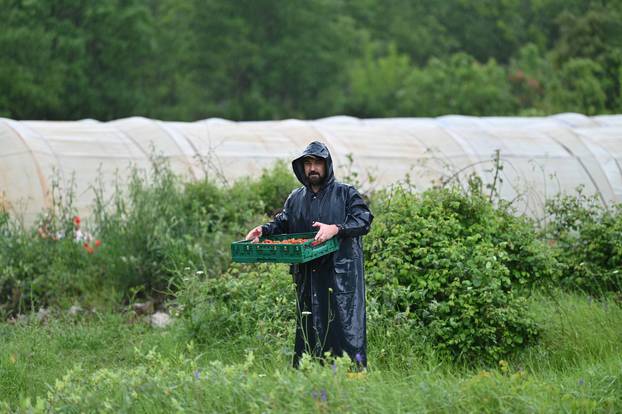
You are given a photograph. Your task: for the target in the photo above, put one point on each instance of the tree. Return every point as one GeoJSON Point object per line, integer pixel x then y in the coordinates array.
{"type": "Point", "coordinates": [460, 85]}
{"type": "Point", "coordinates": [578, 88]}
{"type": "Point", "coordinates": [377, 84]}
{"type": "Point", "coordinates": [531, 74]}
{"type": "Point", "coordinates": [68, 60]}
{"type": "Point", "coordinates": [261, 59]}
{"type": "Point", "coordinates": [595, 36]}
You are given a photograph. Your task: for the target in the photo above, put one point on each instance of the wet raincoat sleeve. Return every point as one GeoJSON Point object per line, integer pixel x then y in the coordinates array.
{"type": "Point", "coordinates": [280, 223]}
{"type": "Point", "coordinates": [358, 216]}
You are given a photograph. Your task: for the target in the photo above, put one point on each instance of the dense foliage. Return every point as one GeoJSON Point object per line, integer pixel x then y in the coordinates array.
{"type": "Point", "coordinates": [587, 238]}
{"type": "Point", "coordinates": [267, 59]}
{"type": "Point", "coordinates": [458, 267]}
{"type": "Point", "coordinates": [146, 236]}
{"type": "Point", "coordinates": [245, 302]}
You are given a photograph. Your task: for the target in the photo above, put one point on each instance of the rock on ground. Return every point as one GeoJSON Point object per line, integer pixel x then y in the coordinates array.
{"type": "Point", "coordinates": [160, 320]}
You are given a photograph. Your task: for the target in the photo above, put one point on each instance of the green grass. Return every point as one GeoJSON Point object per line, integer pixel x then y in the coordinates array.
{"type": "Point", "coordinates": [35, 354]}
{"type": "Point", "coordinates": [107, 363]}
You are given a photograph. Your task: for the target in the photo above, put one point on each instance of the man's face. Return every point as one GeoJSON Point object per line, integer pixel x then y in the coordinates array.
{"type": "Point", "coordinates": [315, 170]}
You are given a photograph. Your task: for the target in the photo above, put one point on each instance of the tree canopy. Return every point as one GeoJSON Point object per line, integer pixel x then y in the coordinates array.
{"type": "Point", "coordinates": [267, 59]}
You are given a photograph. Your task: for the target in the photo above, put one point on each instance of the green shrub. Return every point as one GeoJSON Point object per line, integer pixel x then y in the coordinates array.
{"type": "Point", "coordinates": [162, 225]}
{"type": "Point", "coordinates": [458, 267]}
{"type": "Point", "coordinates": [588, 241]}
{"type": "Point", "coordinates": [138, 228]}
{"type": "Point", "coordinates": [246, 301]}
{"type": "Point", "coordinates": [43, 265]}
{"type": "Point", "coordinates": [149, 231]}
{"type": "Point", "coordinates": [36, 272]}
{"type": "Point", "coordinates": [274, 186]}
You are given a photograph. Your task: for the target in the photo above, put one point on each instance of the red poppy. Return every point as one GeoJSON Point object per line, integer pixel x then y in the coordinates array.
{"type": "Point", "coordinates": [86, 245]}
{"type": "Point", "coordinates": [76, 220]}
{"type": "Point", "coordinates": [98, 243]}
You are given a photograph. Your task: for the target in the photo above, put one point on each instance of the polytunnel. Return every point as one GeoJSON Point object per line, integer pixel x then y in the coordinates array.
{"type": "Point", "coordinates": [541, 156]}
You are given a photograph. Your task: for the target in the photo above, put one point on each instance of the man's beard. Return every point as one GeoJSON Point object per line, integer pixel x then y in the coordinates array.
{"type": "Point", "coordinates": [315, 179]}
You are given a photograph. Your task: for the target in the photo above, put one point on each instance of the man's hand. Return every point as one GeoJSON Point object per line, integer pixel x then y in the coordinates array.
{"type": "Point", "coordinates": [325, 231]}
{"type": "Point", "coordinates": [254, 234]}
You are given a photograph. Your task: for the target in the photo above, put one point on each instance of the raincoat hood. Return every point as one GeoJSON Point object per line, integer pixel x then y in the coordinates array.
{"type": "Point", "coordinates": [319, 150]}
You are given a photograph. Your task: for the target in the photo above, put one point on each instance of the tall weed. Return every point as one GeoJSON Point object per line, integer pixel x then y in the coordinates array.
{"type": "Point", "coordinates": [147, 232]}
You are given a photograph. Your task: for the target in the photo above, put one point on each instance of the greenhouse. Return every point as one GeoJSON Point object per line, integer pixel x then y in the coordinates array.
{"type": "Point", "coordinates": [539, 156]}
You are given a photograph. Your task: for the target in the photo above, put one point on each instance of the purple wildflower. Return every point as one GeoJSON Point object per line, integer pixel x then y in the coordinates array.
{"type": "Point", "coordinates": [358, 357]}
{"type": "Point", "coordinates": [324, 395]}
{"type": "Point", "coordinates": [197, 374]}
{"type": "Point", "coordinates": [315, 395]}
{"type": "Point", "coordinates": [334, 368]}
{"type": "Point", "coordinates": [581, 382]}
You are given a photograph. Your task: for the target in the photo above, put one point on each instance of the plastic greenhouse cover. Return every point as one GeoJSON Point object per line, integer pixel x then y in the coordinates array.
{"type": "Point", "coordinates": [541, 156]}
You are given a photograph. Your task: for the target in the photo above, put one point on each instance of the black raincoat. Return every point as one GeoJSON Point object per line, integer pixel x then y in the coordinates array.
{"type": "Point", "coordinates": [330, 289]}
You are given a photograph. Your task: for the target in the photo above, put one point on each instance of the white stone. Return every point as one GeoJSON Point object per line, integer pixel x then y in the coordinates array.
{"type": "Point", "coordinates": [160, 320]}
{"type": "Point", "coordinates": [75, 309]}
{"type": "Point", "coordinates": [43, 314]}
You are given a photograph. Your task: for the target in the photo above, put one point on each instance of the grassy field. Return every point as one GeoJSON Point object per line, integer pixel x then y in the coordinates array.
{"type": "Point", "coordinates": [110, 362]}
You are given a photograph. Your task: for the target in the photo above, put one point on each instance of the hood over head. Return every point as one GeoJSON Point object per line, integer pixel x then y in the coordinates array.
{"type": "Point", "coordinates": [319, 150]}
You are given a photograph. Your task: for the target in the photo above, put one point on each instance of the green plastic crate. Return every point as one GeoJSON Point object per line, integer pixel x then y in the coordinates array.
{"type": "Point", "coordinates": [244, 251]}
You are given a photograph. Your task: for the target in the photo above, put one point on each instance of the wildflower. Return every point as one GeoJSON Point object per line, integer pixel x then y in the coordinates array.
{"type": "Point", "coordinates": [334, 368]}
{"type": "Point", "coordinates": [98, 243]}
{"type": "Point", "coordinates": [197, 374]}
{"type": "Point", "coordinates": [504, 366]}
{"type": "Point", "coordinates": [76, 220]}
{"type": "Point", "coordinates": [581, 382]}
{"type": "Point", "coordinates": [358, 357]}
{"type": "Point", "coordinates": [88, 248]}
{"type": "Point", "coordinates": [320, 396]}
{"type": "Point", "coordinates": [199, 272]}
{"type": "Point", "coordinates": [357, 375]}
{"type": "Point", "coordinates": [306, 313]}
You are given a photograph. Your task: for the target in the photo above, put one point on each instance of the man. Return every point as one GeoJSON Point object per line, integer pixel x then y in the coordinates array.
{"type": "Point", "coordinates": [330, 289]}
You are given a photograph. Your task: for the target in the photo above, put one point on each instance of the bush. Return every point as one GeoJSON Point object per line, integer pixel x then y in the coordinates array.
{"type": "Point", "coordinates": [457, 266]}
{"type": "Point", "coordinates": [149, 232]}
{"type": "Point", "coordinates": [588, 241]}
{"type": "Point", "coordinates": [163, 226]}
{"type": "Point", "coordinates": [274, 186]}
{"type": "Point", "coordinates": [44, 265]}
{"type": "Point", "coordinates": [246, 301]}
{"type": "Point", "coordinates": [36, 272]}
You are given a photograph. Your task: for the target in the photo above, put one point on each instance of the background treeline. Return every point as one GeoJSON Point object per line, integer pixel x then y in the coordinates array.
{"type": "Point", "coordinates": [266, 59]}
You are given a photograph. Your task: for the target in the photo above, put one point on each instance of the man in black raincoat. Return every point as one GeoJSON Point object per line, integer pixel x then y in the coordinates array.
{"type": "Point", "coordinates": [330, 289]}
